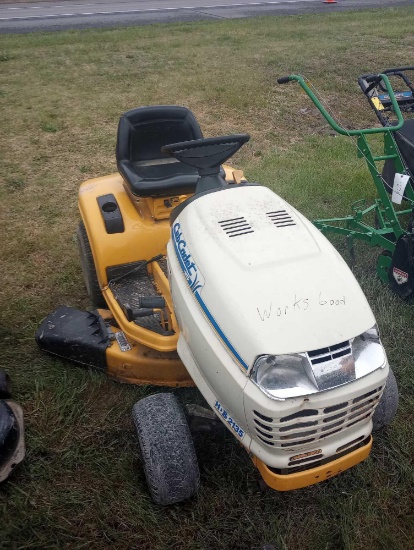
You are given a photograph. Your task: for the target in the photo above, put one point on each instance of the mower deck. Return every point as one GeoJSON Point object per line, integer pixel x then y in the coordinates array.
{"type": "Point", "coordinates": [93, 339]}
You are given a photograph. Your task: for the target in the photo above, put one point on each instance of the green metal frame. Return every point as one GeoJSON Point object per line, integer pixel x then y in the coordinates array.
{"type": "Point", "coordinates": [387, 217]}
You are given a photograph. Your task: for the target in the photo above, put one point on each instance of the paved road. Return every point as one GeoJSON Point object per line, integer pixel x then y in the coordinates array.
{"type": "Point", "coordinates": [60, 15]}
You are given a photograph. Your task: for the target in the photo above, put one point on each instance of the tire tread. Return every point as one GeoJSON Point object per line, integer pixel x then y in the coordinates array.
{"type": "Point", "coordinates": [167, 450]}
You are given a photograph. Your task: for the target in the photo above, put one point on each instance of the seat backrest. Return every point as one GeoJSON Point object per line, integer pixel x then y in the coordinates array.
{"type": "Point", "coordinates": [143, 131]}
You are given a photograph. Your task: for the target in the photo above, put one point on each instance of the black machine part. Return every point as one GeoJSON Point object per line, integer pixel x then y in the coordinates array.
{"type": "Point", "coordinates": [147, 305]}
{"type": "Point", "coordinates": [374, 80]}
{"type": "Point", "coordinates": [12, 446]}
{"type": "Point", "coordinates": [401, 271]}
{"type": "Point", "coordinates": [79, 336]}
{"type": "Point", "coordinates": [201, 419]}
{"type": "Point", "coordinates": [5, 385]}
{"type": "Point", "coordinates": [207, 155]}
{"type": "Point", "coordinates": [111, 214]}
{"type": "Point", "coordinates": [373, 87]}
{"type": "Point", "coordinates": [405, 141]}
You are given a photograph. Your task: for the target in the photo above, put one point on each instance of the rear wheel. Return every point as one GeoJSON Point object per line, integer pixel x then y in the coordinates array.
{"type": "Point", "coordinates": [387, 407]}
{"type": "Point", "coordinates": [88, 268]}
{"type": "Point", "coordinates": [167, 449]}
{"type": "Point", "coordinates": [12, 447]}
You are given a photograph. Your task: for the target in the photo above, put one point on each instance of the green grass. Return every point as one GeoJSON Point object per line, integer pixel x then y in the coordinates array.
{"type": "Point", "coordinates": [81, 484]}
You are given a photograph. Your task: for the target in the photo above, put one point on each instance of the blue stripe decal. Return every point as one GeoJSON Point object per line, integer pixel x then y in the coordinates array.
{"type": "Point", "coordinates": [191, 274]}
{"type": "Point", "coordinates": [218, 330]}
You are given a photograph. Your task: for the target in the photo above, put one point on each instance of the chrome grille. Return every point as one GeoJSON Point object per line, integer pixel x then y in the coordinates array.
{"type": "Point", "coordinates": [332, 352]}
{"type": "Point", "coordinates": [314, 425]}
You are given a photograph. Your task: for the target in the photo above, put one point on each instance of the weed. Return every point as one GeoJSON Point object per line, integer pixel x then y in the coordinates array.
{"type": "Point", "coordinates": [15, 184]}
{"type": "Point", "coordinates": [49, 127]}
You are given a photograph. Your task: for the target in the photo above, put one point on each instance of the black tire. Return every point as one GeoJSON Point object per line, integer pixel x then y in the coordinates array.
{"type": "Point", "coordinates": [9, 431]}
{"type": "Point", "coordinates": [167, 449]}
{"type": "Point", "coordinates": [5, 385]}
{"type": "Point", "coordinates": [88, 268]}
{"type": "Point", "coordinates": [387, 407]}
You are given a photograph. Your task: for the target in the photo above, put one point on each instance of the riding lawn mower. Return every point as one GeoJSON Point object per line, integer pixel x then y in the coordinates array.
{"type": "Point", "coordinates": [199, 277]}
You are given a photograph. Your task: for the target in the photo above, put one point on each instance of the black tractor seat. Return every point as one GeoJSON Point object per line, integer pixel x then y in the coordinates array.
{"type": "Point", "coordinates": [141, 134]}
{"type": "Point", "coordinates": [158, 169]}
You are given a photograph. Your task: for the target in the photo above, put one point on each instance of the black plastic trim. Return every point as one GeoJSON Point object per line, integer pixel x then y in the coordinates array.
{"type": "Point", "coordinates": [157, 302]}
{"type": "Point", "coordinates": [111, 214]}
{"type": "Point", "coordinates": [79, 336]}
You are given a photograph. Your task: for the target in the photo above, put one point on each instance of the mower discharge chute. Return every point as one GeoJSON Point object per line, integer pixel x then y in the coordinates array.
{"type": "Point", "coordinates": [214, 281]}
{"type": "Point", "coordinates": [380, 224]}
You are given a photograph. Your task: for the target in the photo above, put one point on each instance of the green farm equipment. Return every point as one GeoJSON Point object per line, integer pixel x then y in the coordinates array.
{"type": "Point", "coordinates": [382, 222]}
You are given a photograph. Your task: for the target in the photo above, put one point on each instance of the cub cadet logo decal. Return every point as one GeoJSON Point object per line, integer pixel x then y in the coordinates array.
{"type": "Point", "coordinates": [194, 278]}
{"type": "Point", "coordinates": [195, 281]}
{"type": "Point", "coordinates": [400, 276]}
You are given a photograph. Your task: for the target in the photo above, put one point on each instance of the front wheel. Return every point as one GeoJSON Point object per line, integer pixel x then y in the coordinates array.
{"type": "Point", "coordinates": [167, 449]}
{"type": "Point", "coordinates": [387, 407]}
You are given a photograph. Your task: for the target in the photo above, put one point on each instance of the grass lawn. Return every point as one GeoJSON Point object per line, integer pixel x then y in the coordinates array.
{"type": "Point", "coordinates": [61, 94]}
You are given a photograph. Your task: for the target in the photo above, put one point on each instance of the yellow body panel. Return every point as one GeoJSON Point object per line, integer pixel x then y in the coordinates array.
{"type": "Point", "coordinates": [143, 365]}
{"type": "Point", "coordinates": [139, 334]}
{"type": "Point", "coordinates": [147, 230]}
{"type": "Point", "coordinates": [143, 238]}
{"type": "Point", "coordinates": [312, 476]}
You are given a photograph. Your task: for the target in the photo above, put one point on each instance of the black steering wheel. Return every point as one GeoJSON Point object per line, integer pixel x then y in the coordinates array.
{"type": "Point", "coordinates": [206, 154]}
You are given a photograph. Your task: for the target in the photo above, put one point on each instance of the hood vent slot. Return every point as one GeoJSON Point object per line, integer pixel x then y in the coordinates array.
{"type": "Point", "coordinates": [281, 218]}
{"type": "Point", "coordinates": [236, 227]}
{"type": "Point", "coordinates": [329, 353]}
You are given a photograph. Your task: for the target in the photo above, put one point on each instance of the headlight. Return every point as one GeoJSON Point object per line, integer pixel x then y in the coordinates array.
{"type": "Point", "coordinates": [284, 376]}
{"type": "Point", "coordinates": [368, 352]}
